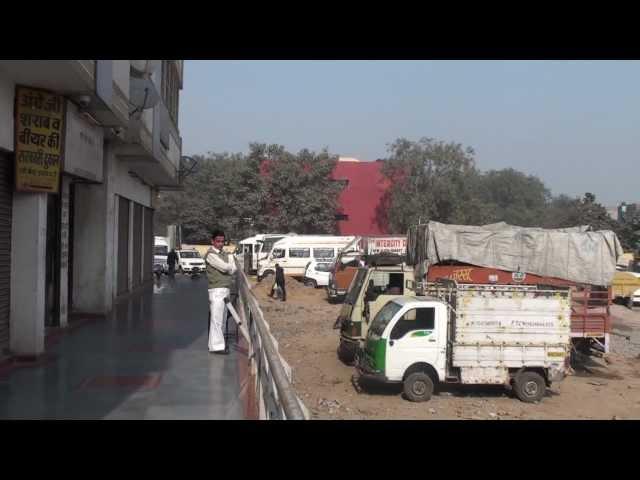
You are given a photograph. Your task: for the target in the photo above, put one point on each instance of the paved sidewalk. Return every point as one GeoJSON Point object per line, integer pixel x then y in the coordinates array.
{"type": "Point", "coordinates": [148, 360]}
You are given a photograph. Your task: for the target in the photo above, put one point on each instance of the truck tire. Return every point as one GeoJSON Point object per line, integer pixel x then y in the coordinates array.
{"type": "Point", "coordinates": [310, 283]}
{"type": "Point", "coordinates": [529, 387]}
{"type": "Point", "coordinates": [347, 353]}
{"type": "Point", "coordinates": [418, 387]}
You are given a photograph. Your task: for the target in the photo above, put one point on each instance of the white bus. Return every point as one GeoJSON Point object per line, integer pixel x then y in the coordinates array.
{"type": "Point", "coordinates": [294, 253]}
{"type": "Point", "coordinates": [260, 246]}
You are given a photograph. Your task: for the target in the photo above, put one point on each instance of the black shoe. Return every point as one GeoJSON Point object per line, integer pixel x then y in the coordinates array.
{"type": "Point", "coordinates": [221, 352]}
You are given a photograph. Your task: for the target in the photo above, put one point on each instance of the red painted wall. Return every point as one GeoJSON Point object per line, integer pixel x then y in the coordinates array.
{"type": "Point", "coordinates": [361, 197]}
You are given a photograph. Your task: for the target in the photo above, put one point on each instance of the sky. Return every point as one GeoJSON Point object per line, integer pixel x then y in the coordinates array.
{"type": "Point", "coordinates": [574, 124]}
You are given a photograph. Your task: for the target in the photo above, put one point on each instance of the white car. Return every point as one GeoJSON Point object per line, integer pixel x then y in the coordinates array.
{"type": "Point", "coordinates": [190, 261]}
{"type": "Point", "coordinates": [318, 272]}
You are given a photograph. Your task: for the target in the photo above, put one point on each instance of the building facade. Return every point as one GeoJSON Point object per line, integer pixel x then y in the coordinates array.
{"type": "Point", "coordinates": [364, 186]}
{"type": "Point", "coordinates": [76, 251]}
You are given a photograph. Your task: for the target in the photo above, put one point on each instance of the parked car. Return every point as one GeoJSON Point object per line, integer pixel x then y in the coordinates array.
{"type": "Point", "coordinates": [190, 261]}
{"type": "Point", "coordinates": [318, 272]}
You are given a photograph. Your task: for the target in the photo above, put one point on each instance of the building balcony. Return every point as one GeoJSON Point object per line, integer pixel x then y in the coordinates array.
{"type": "Point", "coordinates": [152, 147]}
{"type": "Point", "coordinates": [103, 82]}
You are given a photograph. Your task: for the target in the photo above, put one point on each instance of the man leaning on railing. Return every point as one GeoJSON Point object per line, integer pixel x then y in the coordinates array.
{"type": "Point", "coordinates": [220, 268]}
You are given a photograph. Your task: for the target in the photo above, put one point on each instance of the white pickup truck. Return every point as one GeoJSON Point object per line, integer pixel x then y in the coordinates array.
{"type": "Point", "coordinates": [517, 336]}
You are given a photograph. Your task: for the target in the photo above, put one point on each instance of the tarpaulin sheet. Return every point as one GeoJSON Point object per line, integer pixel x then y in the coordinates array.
{"type": "Point", "coordinates": [574, 254]}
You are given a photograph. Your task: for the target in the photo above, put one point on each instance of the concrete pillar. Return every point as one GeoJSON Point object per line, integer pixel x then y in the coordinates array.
{"type": "Point", "coordinates": [130, 266]}
{"type": "Point", "coordinates": [89, 249]}
{"type": "Point", "coordinates": [64, 251]}
{"type": "Point", "coordinates": [28, 269]}
{"type": "Point", "coordinates": [93, 252]}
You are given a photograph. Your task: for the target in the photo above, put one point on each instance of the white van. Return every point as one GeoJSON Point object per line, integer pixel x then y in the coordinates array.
{"type": "Point", "coordinates": [260, 246]}
{"type": "Point", "coordinates": [294, 253]}
{"type": "Point", "coordinates": [160, 252]}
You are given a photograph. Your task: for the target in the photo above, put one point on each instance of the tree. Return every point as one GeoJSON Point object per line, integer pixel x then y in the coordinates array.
{"type": "Point", "coordinates": [514, 197]}
{"type": "Point", "coordinates": [431, 180]}
{"type": "Point", "coordinates": [221, 194]}
{"type": "Point", "coordinates": [299, 194]}
{"type": "Point", "coordinates": [268, 190]}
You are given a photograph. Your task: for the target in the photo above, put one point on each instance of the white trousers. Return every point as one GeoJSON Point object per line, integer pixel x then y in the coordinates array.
{"type": "Point", "coordinates": [217, 316]}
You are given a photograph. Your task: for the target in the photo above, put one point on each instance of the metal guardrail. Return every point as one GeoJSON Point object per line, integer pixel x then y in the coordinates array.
{"type": "Point", "coordinates": [272, 376]}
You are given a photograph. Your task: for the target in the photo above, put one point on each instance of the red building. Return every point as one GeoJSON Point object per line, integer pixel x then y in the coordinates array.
{"type": "Point", "coordinates": [360, 200]}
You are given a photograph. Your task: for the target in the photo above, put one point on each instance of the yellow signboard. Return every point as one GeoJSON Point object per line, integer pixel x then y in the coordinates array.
{"type": "Point", "coordinates": [39, 139]}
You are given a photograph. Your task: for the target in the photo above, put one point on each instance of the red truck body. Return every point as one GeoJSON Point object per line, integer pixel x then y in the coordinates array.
{"type": "Point", "coordinates": [590, 309]}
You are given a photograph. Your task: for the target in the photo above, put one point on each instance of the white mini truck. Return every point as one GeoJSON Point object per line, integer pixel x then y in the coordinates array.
{"type": "Point", "coordinates": [517, 336]}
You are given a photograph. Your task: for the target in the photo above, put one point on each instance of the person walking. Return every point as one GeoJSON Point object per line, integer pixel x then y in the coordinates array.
{"type": "Point", "coordinates": [172, 259]}
{"type": "Point", "coordinates": [280, 281]}
{"type": "Point", "coordinates": [220, 269]}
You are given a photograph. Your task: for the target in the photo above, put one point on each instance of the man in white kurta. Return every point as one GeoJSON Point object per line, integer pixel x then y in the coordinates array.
{"type": "Point", "coordinates": [220, 268]}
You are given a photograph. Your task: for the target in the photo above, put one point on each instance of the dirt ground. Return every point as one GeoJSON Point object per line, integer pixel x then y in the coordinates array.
{"type": "Point", "coordinates": [599, 389]}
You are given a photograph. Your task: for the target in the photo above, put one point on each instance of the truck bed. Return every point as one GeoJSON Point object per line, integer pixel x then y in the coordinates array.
{"type": "Point", "coordinates": [509, 327]}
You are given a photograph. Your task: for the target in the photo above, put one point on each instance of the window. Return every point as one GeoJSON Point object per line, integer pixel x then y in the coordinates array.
{"type": "Point", "coordinates": [355, 286]}
{"type": "Point", "coordinates": [323, 267]}
{"type": "Point", "coordinates": [171, 88]}
{"type": "Point", "coordinates": [189, 255]}
{"type": "Point", "coordinates": [160, 250]}
{"type": "Point", "coordinates": [383, 318]}
{"type": "Point", "coordinates": [299, 252]}
{"type": "Point", "coordinates": [267, 245]}
{"type": "Point", "coordinates": [342, 216]}
{"type": "Point", "coordinates": [412, 320]}
{"type": "Point", "coordinates": [323, 253]}
{"type": "Point", "coordinates": [384, 283]}
{"type": "Point", "coordinates": [278, 253]}
{"type": "Point", "coordinates": [256, 247]}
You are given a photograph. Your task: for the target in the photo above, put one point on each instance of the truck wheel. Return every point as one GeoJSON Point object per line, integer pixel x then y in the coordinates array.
{"type": "Point", "coordinates": [529, 387]}
{"type": "Point", "coordinates": [346, 353]}
{"type": "Point", "coordinates": [418, 387]}
{"type": "Point", "coordinates": [311, 283]}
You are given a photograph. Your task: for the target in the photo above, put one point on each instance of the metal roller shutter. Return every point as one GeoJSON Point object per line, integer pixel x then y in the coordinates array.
{"type": "Point", "coordinates": [123, 245]}
{"type": "Point", "coordinates": [137, 245]}
{"type": "Point", "coordinates": [148, 244]}
{"type": "Point", "coordinates": [6, 200]}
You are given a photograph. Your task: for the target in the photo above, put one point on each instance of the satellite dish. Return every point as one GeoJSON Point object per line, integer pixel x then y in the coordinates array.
{"type": "Point", "coordinates": [143, 93]}
{"type": "Point", "coordinates": [143, 67]}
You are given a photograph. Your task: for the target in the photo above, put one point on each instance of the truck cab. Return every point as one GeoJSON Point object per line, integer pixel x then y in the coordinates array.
{"type": "Point", "coordinates": [371, 288]}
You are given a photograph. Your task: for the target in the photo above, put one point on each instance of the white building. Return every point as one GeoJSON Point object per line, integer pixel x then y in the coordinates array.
{"type": "Point", "coordinates": [77, 251]}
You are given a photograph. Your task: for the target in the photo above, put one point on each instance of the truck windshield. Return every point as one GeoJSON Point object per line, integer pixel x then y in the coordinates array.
{"type": "Point", "coordinates": [383, 317]}
{"type": "Point", "coordinates": [267, 244]}
{"type": "Point", "coordinates": [189, 255]}
{"type": "Point", "coordinates": [160, 250]}
{"type": "Point", "coordinates": [356, 286]}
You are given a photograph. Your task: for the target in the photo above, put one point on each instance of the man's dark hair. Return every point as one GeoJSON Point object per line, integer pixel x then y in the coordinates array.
{"type": "Point", "coordinates": [217, 233]}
